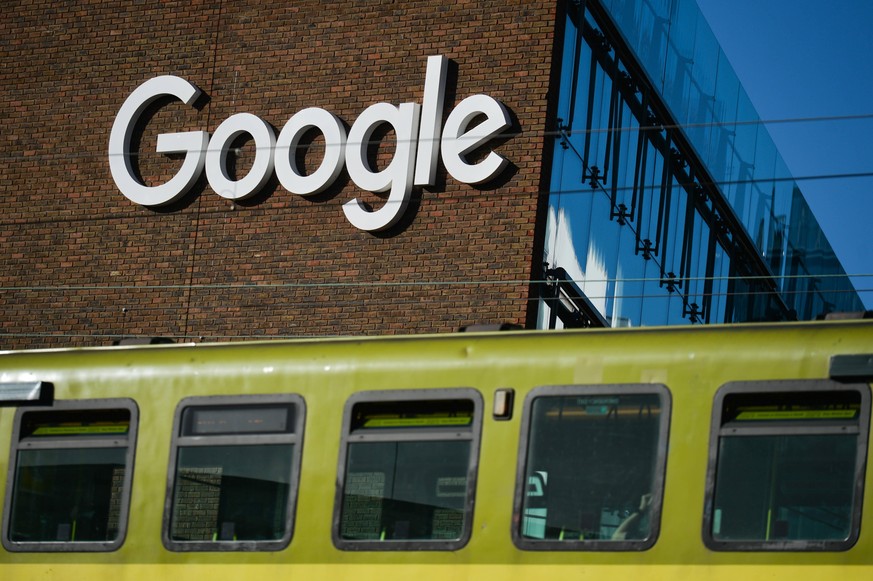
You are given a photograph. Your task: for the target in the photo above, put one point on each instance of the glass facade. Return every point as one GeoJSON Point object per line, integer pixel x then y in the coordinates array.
{"type": "Point", "coordinates": [669, 203]}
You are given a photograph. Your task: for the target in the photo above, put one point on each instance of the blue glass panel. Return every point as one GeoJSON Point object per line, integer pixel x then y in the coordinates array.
{"type": "Point", "coordinates": [721, 148]}
{"type": "Point", "coordinates": [696, 274]}
{"type": "Point", "coordinates": [599, 131]}
{"type": "Point", "coordinates": [646, 26]}
{"type": "Point", "coordinates": [780, 209]}
{"type": "Point", "coordinates": [699, 111]}
{"type": "Point", "coordinates": [626, 14]}
{"type": "Point", "coordinates": [721, 271]}
{"type": "Point", "coordinates": [656, 300]}
{"type": "Point", "coordinates": [567, 58]}
{"type": "Point", "coordinates": [738, 189]}
{"type": "Point", "coordinates": [628, 139]}
{"type": "Point", "coordinates": [627, 308]}
{"type": "Point", "coordinates": [603, 256]}
{"type": "Point", "coordinates": [675, 219]}
{"type": "Point", "coordinates": [649, 195]}
{"type": "Point", "coordinates": [811, 254]}
{"type": "Point", "coordinates": [759, 221]}
{"type": "Point", "coordinates": [680, 56]}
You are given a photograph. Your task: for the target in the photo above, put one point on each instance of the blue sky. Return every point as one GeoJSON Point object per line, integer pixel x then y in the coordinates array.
{"type": "Point", "coordinates": [812, 59]}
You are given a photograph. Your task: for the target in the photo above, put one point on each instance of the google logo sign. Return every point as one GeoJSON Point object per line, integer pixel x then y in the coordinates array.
{"type": "Point", "coordinates": [420, 142]}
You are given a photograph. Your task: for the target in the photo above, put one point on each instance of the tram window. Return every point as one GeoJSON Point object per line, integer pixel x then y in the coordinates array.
{"type": "Point", "coordinates": [234, 466]}
{"type": "Point", "coordinates": [70, 473]}
{"type": "Point", "coordinates": [591, 468]}
{"type": "Point", "coordinates": [407, 470]}
{"type": "Point", "coordinates": [786, 466]}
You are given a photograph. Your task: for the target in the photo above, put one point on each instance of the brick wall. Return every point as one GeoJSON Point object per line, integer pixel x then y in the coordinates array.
{"type": "Point", "coordinates": [196, 501]}
{"type": "Point", "coordinates": [362, 505]}
{"type": "Point", "coordinates": [80, 264]}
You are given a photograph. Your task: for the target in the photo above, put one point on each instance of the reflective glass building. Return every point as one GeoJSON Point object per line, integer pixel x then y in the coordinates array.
{"type": "Point", "coordinates": [668, 202]}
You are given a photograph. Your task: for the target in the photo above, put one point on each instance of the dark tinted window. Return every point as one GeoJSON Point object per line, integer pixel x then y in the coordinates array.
{"type": "Point", "coordinates": [787, 466]}
{"type": "Point", "coordinates": [70, 476]}
{"type": "Point", "coordinates": [593, 467]}
{"type": "Point", "coordinates": [235, 464]}
{"type": "Point", "coordinates": [408, 471]}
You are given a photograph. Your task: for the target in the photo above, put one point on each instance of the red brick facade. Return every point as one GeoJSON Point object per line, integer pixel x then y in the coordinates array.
{"type": "Point", "coordinates": [80, 264]}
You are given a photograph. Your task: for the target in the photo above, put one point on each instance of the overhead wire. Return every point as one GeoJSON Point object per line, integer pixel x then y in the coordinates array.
{"type": "Point", "coordinates": [513, 134]}
{"type": "Point", "coordinates": [504, 192]}
{"type": "Point", "coordinates": [249, 302]}
{"type": "Point", "coordinates": [414, 283]}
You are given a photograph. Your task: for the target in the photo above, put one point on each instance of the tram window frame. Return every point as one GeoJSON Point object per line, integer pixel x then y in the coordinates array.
{"type": "Point", "coordinates": [659, 468]}
{"type": "Point", "coordinates": [413, 397]}
{"type": "Point", "coordinates": [722, 428]}
{"type": "Point", "coordinates": [183, 437]}
{"type": "Point", "coordinates": [72, 410]}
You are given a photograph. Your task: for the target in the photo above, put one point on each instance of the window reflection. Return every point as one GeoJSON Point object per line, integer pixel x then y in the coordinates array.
{"type": "Point", "coordinates": [405, 491]}
{"type": "Point", "coordinates": [235, 464]}
{"type": "Point", "coordinates": [407, 470]}
{"type": "Point", "coordinates": [231, 493]}
{"type": "Point", "coordinates": [593, 469]}
{"type": "Point", "coordinates": [69, 487]}
{"type": "Point", "coordinates": [68, 495]}
{"type": "Point", "coordinates": [786, 467]}
{"type": "Point", "coordinates": [785, 487]}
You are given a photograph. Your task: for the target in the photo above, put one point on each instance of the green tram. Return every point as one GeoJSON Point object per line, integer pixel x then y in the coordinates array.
{"type": "Point", "coordinates": [717, 452]}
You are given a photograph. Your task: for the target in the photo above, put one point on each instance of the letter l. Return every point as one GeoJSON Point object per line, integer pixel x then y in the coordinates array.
{"type": "Point", "coordinates": [431, 119]}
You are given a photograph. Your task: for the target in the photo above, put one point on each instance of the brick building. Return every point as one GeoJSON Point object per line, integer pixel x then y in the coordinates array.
{"type": "Point", "coordinates": [81, 264]}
